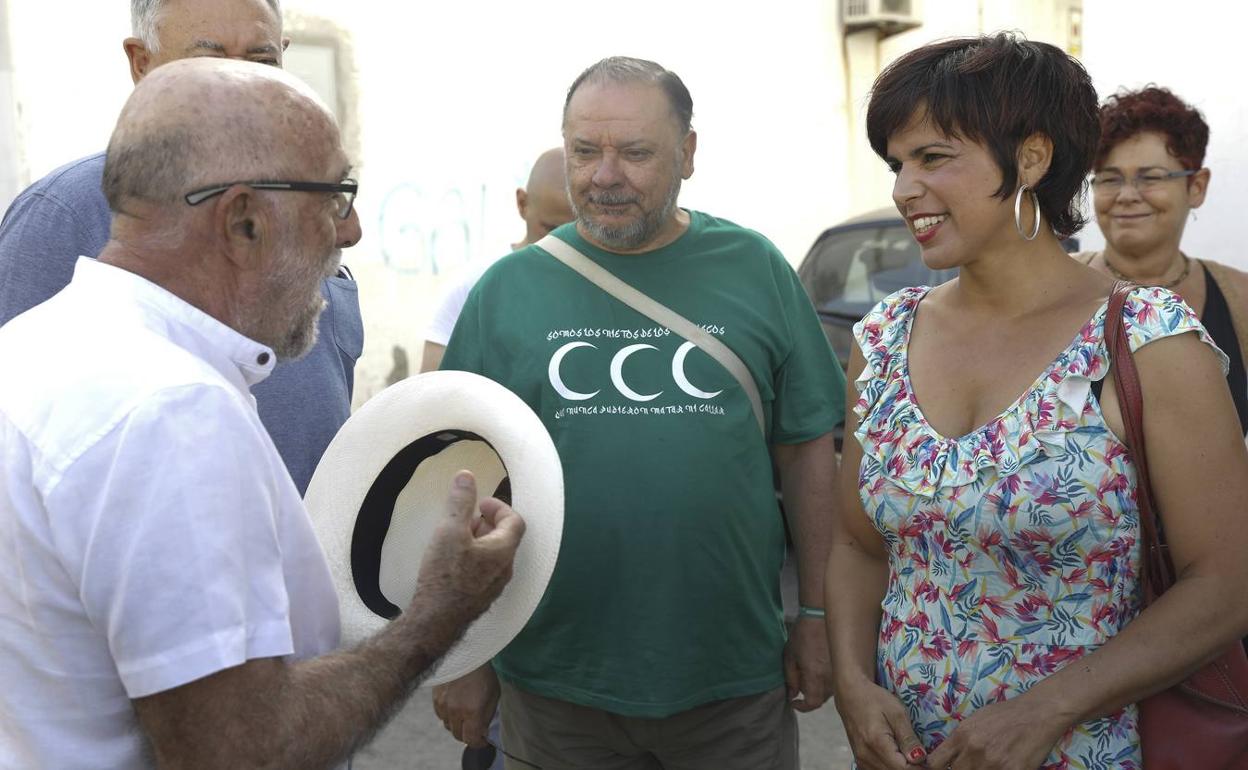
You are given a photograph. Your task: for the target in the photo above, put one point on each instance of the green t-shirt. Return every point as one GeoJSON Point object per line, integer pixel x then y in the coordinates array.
{"type": "Point", "coordinates": [666, 592]}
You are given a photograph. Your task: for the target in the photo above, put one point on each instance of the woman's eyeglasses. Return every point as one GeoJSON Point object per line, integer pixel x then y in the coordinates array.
{"type": "Point", "coordinates": [1110, 182]}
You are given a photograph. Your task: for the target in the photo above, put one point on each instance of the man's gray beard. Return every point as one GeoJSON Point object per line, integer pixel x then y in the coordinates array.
{"type": "Point", "coordinates": [302, 336]}
{"type": "Point", "coordinates": [296, 339]}
{"type": "Point", "coordinates": [291, 343]}
{"type": "Point", "coordinates": [636, 234]}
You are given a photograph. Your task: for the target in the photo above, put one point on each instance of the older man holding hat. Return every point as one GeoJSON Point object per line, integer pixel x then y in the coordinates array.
{"type": "Point", "coordinates": [163, 597]}
{"type": "Point", "coordinates": [64, 215]}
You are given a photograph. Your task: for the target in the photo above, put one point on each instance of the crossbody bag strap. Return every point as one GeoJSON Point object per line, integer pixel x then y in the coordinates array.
{"type": "Point", "coordinates": [605, 280]}
{"type": "Point", "coordinates": [1156, 572]}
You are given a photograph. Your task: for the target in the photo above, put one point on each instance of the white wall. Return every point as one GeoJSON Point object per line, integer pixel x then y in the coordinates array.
{"type": "Point", "coordinates": [71, 78]}
{"type": "Point", "coordinates": [455, 99]}
{"type": "Point", "coordinates": [1197, 53]}
{"type": "Point", "coordinates": [456, 94]}
{"type": "Point", "coordinates": [11, 159]}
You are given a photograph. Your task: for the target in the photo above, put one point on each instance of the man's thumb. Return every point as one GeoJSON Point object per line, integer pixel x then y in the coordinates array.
{"type": "Point", "coordinates": [463, 497]}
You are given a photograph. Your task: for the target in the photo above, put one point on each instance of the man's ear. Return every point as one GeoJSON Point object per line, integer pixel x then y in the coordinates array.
{"type": "Point", "coordinates": [285, 43]}
{"type": "Point", "coordinates": [140, 58]}
{"type": "Point", "coordinates": [1035, 155]}
{"type": "Point", "coordinates": [522, 203]}
{"type": "Point", "coordinates": [241, 226]}
{"type": "Point", "coordinates": [688, 147]}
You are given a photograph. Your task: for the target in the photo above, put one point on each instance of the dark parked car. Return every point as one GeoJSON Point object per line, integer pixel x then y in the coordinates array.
{"type": "Point", "coordinates": [857, 263]}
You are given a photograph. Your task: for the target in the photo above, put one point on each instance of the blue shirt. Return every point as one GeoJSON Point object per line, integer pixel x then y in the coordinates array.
{"type": "Point", "coordinates": [64, 215]}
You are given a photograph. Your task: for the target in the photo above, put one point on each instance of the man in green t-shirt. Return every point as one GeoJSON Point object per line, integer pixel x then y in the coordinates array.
{"type": "Point", "coordinates": [660, 641]}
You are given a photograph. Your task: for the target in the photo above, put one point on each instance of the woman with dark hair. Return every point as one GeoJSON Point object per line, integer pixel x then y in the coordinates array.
{"type": "Point", "coordinates": [983, 585]}
{"type": "Point", "coordinates": [1149, 179]}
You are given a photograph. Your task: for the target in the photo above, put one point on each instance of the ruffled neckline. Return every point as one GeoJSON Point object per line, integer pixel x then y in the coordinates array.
{"type": "Point", "coordinates": [894, 431]}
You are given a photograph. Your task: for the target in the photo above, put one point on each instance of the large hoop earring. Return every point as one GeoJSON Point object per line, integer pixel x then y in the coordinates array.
{"type": "Point", "coordinates": [1018, 212]}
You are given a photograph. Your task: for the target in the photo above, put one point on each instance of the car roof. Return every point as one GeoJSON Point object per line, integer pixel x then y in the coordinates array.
{"type": "Point", "coordinates": [882, 216]}
{"type": "Point", "coordinates": [886, 214]}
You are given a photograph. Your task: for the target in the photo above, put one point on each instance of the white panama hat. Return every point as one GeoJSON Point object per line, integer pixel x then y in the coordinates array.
{"type": "Point", "coordinates": [380, 491]}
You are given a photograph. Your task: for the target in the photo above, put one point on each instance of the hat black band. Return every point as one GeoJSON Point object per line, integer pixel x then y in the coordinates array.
{"type": "Point", "coordinates": [373, 522]}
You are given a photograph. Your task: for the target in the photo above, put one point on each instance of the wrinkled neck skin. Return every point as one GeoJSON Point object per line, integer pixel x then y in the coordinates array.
{"type": "Point", "coordinates": [160, 256]}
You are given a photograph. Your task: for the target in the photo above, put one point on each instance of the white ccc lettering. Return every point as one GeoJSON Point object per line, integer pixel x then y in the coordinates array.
{"type": "Point", "coordinates": [617, 373]}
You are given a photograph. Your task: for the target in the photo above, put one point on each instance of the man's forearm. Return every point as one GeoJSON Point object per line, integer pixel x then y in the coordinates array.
{"type": "Point", "coordinates": [312, 714]}
{"type": "Point", "coordinates": [341, 700]}
{"type": "Point", "coordinates": [309, 714]}
{"type": "Point", "coordinates": [808, 481]}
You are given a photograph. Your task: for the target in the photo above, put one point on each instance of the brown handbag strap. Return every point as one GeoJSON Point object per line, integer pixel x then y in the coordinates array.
{"type": "Point", "coordinates": [1156, 569]}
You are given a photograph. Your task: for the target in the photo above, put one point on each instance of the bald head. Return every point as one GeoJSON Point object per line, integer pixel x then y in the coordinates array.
{"type": "Point", "coordinates": [547, 171]}
{"type": "Point", "coordinates": [198, 122]}
{"type": "Point", "coordinates": [248, 255]}
{"type": "Point", "coordinates": [543, 203]}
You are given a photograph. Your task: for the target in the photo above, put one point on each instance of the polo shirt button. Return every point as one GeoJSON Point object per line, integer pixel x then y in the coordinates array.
{"type": "Point", "coordinates": [262, 359]}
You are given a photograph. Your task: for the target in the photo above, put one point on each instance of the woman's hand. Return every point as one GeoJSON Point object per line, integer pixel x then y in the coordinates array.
{"type": "Point", "coordinates": [1015, 734]}
{"type": "Point", "coordinates": [879, 728]}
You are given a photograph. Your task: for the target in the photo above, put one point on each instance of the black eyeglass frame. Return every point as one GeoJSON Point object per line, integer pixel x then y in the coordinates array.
{"type": "Point", "coordinates": [1119, 180]}
{"type": "Point", "coordinates": [347, 188]}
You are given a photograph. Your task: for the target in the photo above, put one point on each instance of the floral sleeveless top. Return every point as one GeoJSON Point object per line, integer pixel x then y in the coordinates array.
{"type": "Point", "coordinates": [1012, 550]}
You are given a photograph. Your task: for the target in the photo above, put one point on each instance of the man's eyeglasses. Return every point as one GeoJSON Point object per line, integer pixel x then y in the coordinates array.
{"type": "Point", "coordinates": [345, 190]}
{"type": "Point", "coordinates": [1110, 183]}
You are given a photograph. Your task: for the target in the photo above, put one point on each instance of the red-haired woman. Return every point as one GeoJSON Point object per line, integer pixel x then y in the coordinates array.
{"type": "Point", "coordinates": [1149, 178]}
{"type": "Point", "coordinates": [983, 582]}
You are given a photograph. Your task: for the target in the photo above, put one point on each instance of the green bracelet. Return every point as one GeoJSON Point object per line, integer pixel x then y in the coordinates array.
{"type": "Point", "coordinates": [810, 612]}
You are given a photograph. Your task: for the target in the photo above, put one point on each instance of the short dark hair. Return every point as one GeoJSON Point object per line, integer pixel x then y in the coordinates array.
{"type": "Point", "coordinates": [1153, 108]}
{"type": "Point", "coordinates": [998, 90]}
{"type": "Point", "coordinates": [625, 69]}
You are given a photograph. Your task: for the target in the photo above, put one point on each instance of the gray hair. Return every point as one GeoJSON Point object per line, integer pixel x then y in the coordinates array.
{"type": "Point", "coordinates": [626, 69]}
{"type": "Point", "coordinates": [145, 16]}
{"type": "Point", "coordinates": [154, 168]}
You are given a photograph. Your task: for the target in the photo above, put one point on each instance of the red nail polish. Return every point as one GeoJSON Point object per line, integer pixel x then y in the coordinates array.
{"type": "Point", "coordinates": [916, 754]}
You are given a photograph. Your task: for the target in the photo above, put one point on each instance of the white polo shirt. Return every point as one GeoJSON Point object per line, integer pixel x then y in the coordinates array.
{"type": "Point", "coordinates": [149, 533]}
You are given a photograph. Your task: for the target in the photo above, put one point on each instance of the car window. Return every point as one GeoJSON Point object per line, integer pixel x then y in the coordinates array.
{"type": "Point", "coordinates": [848, 271]}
